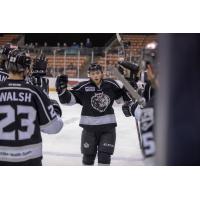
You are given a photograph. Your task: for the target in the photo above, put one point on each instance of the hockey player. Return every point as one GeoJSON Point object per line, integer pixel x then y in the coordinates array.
{"type": "Point", "coordinates": [145, 115]}
{"type": "Point", "coordinates": [38, 73]}
{"type": "Point", "coordinates": [97, 117]}
{"type": "Point", "coordinates": [4, 51]}
{"type": "Point", "coordinates": [25, 112]}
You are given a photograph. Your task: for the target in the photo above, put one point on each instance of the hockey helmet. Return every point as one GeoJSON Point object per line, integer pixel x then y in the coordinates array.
{"type": "Point", "coordinates": [18, 61]}
{"type": "Point", "coordinates": [95, 67]}
{"type": "Point", "coordinates": [150, 54]}
{"type": "Point", "coordinates": [4, 52]}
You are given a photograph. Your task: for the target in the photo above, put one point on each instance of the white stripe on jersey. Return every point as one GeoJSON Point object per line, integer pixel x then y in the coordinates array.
{"type": "Point", "coordinates": [112, 83]}
{"type": "Point", "coordinates": [4, 73]}
{"type": "Point", "coordinates": [120, 100]}
{"type": "Point", "coordinates": [53, 126]}
{"type": "Point", "coordinates": [100, 120]}
{"type": "Point", "coordinates": [20, 154]}
{"type": "Point", "coordinates": [72, 101]}
{"type": "Point", "coordinates": [21, 88]}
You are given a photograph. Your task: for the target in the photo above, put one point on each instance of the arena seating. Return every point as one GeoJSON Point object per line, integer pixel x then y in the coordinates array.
{"type": "Point", "coordinates": [69, 64]}
{"type": "Point", "coordinates": [7, 38]}
{"type": "Point", "coordinates": [133, 51]}
{"type": "Point", "coordinates": [137, 42]}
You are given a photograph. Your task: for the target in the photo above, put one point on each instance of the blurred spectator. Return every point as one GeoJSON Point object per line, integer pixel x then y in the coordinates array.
{"type": "Point", "coordinates": [75, 45]}
{"type": "Point", "coordinates": [88, 43]}
{"type": "Point", "coordinates": [31, 45]}
{"type": "Point", "coordinates": [58, 44]}
{"type": "Point", "coordinates": [36, 50]}
{"type": "Point", "coordinates": [81, 45]}
{"type": "Point", "coordinates": [45, 44]}
{"type": "Point", "coordinates": [64, 44]}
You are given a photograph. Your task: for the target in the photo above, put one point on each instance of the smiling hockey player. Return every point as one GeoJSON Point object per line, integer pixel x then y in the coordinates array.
{"type": "Point", "coordinates": [98, 121]}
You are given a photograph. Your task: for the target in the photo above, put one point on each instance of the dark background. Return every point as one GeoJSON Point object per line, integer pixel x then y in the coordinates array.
{"type": "Point", "coordinates": [97, 39]}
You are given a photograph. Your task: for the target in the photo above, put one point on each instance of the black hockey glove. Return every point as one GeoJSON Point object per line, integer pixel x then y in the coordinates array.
{"type": "Point", "coordinates": [56, 107]}
{"type": "Point", "coordinates": [41, 82]}
{"type": "Point", "coordinates": [129, 108]}
{"type": "Point", "coordinates": [61, 83]}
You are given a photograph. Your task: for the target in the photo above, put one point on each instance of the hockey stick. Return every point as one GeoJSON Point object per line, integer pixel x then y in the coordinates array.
{"type": "Point", "coordinates": [139, 133]}
{"type": "Point", "coordinates": [119, 39]}
{"type": "Point", "coordinates": [127, 85]}
{"type": "Point", "coordinates": [129, 88]}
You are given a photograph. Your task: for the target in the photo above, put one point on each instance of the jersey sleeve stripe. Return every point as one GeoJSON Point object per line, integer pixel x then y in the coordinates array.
{"type": "Point", "coordinates": [112, 83]}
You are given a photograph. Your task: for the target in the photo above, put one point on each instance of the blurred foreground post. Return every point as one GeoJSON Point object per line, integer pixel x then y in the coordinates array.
{"type": "Point", "coordinates": [178, 105]}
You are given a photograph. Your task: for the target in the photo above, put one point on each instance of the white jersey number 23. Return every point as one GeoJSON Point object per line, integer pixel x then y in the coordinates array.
{"type": "Point", "coordinates": [12, 116]}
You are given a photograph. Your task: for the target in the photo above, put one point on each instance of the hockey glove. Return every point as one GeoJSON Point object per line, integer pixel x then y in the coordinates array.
{"type": "Point", "coordinates": [61, 83]}
{"type": "Point", "coordinates": [56, 107]}
{"type": "Point", "coordinates": [129, 108]}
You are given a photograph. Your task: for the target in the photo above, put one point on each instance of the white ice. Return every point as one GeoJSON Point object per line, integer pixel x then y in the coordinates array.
{"type": "Point", "coordinates": [64, 148]}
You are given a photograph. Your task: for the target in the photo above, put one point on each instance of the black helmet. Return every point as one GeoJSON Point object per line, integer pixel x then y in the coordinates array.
{"type": "Point", "coordinates": [95, 67]}
{"type": "Point", "coordinates": [4, 52]}
{"type": "Point", "coordinates": [40, 64]}
{"type": "Point", "coordinates": [18, 61]}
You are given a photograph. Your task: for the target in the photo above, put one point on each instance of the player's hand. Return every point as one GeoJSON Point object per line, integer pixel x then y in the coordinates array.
{"type": "Point", "coordinates": [129, 108]}
{"type": "Point", "coordinates": [56, 107]}
{"type": "Point", "coordinates": [61, 83]}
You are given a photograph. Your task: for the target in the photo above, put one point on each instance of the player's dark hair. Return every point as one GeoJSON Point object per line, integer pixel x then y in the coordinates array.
{"type": "Point", "coordinates": [95, 67]}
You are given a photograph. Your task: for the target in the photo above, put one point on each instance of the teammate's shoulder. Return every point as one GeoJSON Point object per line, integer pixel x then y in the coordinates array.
{"type": "Point", "coordinates": [33, 88]}
{"type": "Point", "coordinates": [112, 82]}
{"type": "Point", "coordinates": [16, 84]}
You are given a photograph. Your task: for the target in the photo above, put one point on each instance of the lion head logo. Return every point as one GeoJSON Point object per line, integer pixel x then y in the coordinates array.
{"type": "Point", "coordinates": [100, 102]}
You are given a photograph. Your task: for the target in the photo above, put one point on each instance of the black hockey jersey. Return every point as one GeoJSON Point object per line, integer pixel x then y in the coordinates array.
{"type": "Point", "coordinates": [24, 111]}
{"type": "Point", "coordinates": [148, 92]}
{"type": "Point", "coordinates": [42, 82]}
{"type": "Point", "coordinates": [97, 111]}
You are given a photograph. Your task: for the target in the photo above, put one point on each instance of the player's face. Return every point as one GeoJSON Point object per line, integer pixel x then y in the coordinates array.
{"type": "Point", "coordinates": [96, 76]}
{"type": "Point", "coordinates": [152, 77]}
{"type": "Point", "coordinates": [150, 73]}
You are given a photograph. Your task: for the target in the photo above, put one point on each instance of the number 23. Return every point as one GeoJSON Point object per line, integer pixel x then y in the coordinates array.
{"type": "Point", "coordinates": [10, 118]}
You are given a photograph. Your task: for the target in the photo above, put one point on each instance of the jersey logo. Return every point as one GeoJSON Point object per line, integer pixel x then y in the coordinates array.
{"type": "Point", "coordinates": [90, 89]}
{"type": "Point", "coordinates": [86, 145]}
{"type": "Point", "coordinates": [100, 102]}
